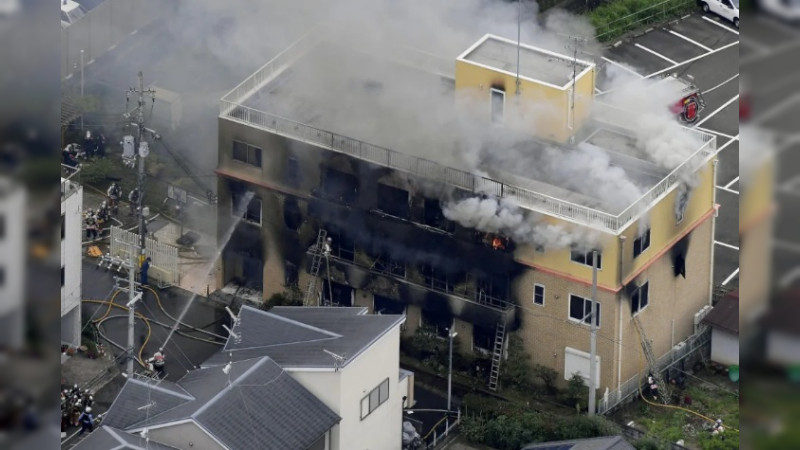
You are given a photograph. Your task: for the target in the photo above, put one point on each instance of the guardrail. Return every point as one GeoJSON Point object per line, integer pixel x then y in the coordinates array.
{"type": "Point", "coordinates": [232, 108]}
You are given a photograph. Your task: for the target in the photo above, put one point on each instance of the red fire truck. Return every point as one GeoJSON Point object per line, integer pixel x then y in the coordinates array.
{"type": "Point", "coordinates": [690, 105]}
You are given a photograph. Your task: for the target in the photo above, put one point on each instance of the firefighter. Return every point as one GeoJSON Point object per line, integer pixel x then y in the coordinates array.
{"type": "Point", "coordinates": [133, 201]}
{"type": "Point", "coordinates": [86, 420]}
{"type": "Point", "coordinates": [156, 363]}
{"type": "Point", "coordinates": [114, 193]}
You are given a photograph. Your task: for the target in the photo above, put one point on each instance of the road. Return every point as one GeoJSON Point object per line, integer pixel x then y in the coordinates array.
{"type": "Point", "coordinates": [705, 48]}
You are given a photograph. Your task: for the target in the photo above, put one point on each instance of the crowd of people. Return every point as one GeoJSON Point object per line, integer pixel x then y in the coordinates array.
{"type": "Point", "coordinates": [76, 409]}
{"type": "Point", "coordinates": [93, 145]}
{"type": "Point", "coordinates": [95, 220]}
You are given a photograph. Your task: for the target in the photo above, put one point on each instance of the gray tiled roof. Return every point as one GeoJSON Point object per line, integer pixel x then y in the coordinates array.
{"type": "Point", "coordinates": [108, 438]}
{"type": "Point", "coordinates": [297, 337]}
{"type": "Point", "coordinates": [598, 443]}
{"type": "Point", "coordinates": [255, 405]}
{"type": "Point", "coordinates": [131, 405]}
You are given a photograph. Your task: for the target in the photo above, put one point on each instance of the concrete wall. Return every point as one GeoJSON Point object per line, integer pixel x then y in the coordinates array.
{"type": "Point", "coordinates": [14, 250]}
{"type": "Point", "coordinates": [71, 251]}
{"type": "Point", "coordinates": [724, 347]}
{"type": "Point", "coordinates": [185, 435]}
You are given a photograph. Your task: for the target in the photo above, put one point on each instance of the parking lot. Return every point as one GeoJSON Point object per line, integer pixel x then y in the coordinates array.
{"type": "Point", "coordinates": [706, 49]}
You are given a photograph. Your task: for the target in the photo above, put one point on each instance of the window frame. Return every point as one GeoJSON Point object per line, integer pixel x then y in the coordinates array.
{"type": "Point", "coordinates": [586, 311]}
{"type": "Point", "coordinates": [492, 92]}
{"type": "Point", "coordinates": [644, 287]}
{"type": "Point", "coordinates": [544, 290]}
{"type": "Point", "coordinates": [63, 227]}
{"type": "Point", "coordinates": [378, 392]}
{"type": "Point", "coordinates": [255, 161]}
{"type": "Point", "coordinates": [643, 241]}
{"type": "Point", "coordinates": [586, 255]}
{"type": "Point", "coordinates": [235, 196]}
{"type": "Point", "coordinates": [680, 212]}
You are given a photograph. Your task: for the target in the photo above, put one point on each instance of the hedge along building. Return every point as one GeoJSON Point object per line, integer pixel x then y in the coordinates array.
{"type": "Point", "coordinates": [461, 198]}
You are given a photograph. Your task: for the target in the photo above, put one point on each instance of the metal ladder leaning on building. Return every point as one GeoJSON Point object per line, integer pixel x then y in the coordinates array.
{"type": "Point", "coordinates": [497, 355]}
{"type": "Point", "coordinates": [663, 388]}
{"type": "Point", "coordinates": [316, 262]}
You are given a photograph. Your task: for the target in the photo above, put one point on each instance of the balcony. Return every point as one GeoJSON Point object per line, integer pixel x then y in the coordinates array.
{"type": "Point", "coordinates": [70, 181]}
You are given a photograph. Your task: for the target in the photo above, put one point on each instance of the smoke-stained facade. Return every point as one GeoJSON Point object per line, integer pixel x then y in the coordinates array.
{"type": "Point", "coordinates": [401, 240]}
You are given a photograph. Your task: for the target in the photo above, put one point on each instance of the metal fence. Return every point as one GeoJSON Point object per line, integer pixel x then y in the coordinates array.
{"type": "Point", "coordinates": [164, 265]}
{"type": "Point", "coordinates": [659, 12]}
{"type": "Point", "coordinates": [102, 28]}
{"type": "Point", "coordinates": [694, 344]}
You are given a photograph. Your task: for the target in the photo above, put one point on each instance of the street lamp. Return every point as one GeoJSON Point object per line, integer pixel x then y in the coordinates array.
{"type": "Point", "coordinates": [450, 334]}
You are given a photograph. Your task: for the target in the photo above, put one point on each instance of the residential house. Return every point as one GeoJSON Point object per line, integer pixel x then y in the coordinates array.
{"type": "Point", "coordinates": [724, 322]}
{"type": "Point", "coordinates": [71, 232]}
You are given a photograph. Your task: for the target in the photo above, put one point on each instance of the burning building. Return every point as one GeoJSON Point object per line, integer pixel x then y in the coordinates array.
{"type": "Point", "coordinates": [464, 193]}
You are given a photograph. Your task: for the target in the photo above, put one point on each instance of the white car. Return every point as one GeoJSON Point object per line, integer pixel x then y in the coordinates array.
{"type": "Point", "coordinates": [727, 9]}
{"type": "Point", "coordinates": [71, 11]}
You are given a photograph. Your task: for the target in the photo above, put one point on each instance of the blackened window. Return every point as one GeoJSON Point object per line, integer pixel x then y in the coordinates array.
{"type": "Point", "coordinates": [386, 305]}
{"type": "Point", "coordinates": [498, 105]}
{"type": "Point", "coordinates": [63, 226]}
{"type": "Point", "coordinates": [434, 217]}
{"type": "Point", "coordinates": [585, 257]}
{"type": "Point", "coordinates": [3, 276]}
{"type": "Point", "coordinates": [340, 186]}
{"type": "Point", "coordinates": [483, 337]}
{"type": "Point", "coordinates": [393, 201]}
{"type": "Point", "coordinates": [641, 243]}
{"type": "Point", "coordinates": [62, 276]}
{"type": "Point", "coordinates": [640, 298]}
{"type": "Point", "coordinates": [250, 211]}
{"type": "Point", "coordinates": [247, 153]}
{"type": "Point", "coordinates": [580, 309]}
{"type": "Point", "coordinates": [293, 172]}
{"type": "Point", "coordinates": [681, 201]}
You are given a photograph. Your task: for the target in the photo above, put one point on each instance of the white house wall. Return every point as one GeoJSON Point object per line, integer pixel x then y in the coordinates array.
{"type": "Point", "coordinates": [783, 349]}
{"type": "Point", "coordinates": [724, 347]}
{"type": "Point", "coordinates": [326, 386]}
{"type": "Point", "coordinates": [71, 252]}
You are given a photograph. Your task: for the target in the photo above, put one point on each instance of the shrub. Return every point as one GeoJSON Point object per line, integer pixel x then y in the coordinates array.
{"type": "Point", "coordinates": [517, 370]}
{"type": "Point", "coordinates": [577, 390]}
{"type": "Point", "coordinates": [618, 17]}
{"type": "Point", "coordinates": [548, 376]}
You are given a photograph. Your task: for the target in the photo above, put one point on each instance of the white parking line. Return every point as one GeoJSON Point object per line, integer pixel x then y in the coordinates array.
{"type": "Point", "coordinates": [754, 44]}
{"type": "Point", "coordinates": [787, 279]}
{"type": "Point", "coordinates": [725, 145]}
{"type": "Point", "coordinates": [674, 33]}
{"type": "Point", "coordinates": [724, 105]}
{"type": "Point", "coordinates": [706, 18]}
{"type": "Point", "coordinates": [623, 67]}
{"type": "Point", "coordinates": [691, 60]}
{"type": "Point", "coordinates": [723, 188]}
{"type": "Point", "coordinates": [732, 247]}
{"type": "Point", "coordinates": [728, 186]}
{"type": "Point", "coordinates": [731, 277]}
{"type": "Point", "coordinates": [653, 52]}
{"type": "Point", "coordinates": [777, 109]}
{"type": "Point", "coordinates": [721, 84]}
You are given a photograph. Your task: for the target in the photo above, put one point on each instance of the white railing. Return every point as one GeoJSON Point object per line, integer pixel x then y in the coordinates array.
{"type": "Point", "coordinates": [164, 257]}
{"type": "Point", "coordinates": [232, 108]}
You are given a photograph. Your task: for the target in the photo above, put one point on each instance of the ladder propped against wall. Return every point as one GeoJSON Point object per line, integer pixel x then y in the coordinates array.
{"type": "Point", "coordinates": [497, 355]}
{"type": "Point", "coordinates": [316, 262]}
{"type": "Point", "coordinates": [663, 388]}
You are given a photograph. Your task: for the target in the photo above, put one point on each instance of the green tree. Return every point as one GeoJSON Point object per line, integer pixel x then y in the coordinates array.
{"type": "Point", "coordinates": [517, 370]}
{"type": "Point", "coordinates": [548, 376]}
{"type": "Point", "coordinates": [577, 390]}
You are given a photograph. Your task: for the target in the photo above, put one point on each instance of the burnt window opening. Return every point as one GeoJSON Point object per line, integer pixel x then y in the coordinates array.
{"type": "Point", "coordinates": [251, 211]}
{"type": "Point", "coordinates": [681, 201]}
{"type": "Point", "coordinates": [492, 290]}
{"type": "Point", "coordinates": [386, 305]}
{"type": "Point", "coordinates": [339, 186]}
{"type": "Point", "coordinates": [580, 309]}
{"type": "Point", "coordinates": [641, 243]}
{"type": "Point", "coordinates": [434, 217]}
{"type": "Point", "coordinates": [246, 153]}
{"type": "Point", "coordinates": [291, 275]}
{"type": "Point", "coordinates": [437, 322]}
{"type": "Point", "coordinates": [498, 100]}
{"type": "Point", "coordinates": [386, 264]}
{"type": "Point", "coordinates": [585, 257]}
{"type": "Point", "coordinates": [640, 298]}
{"type": "Point", "coordinates": [293, 172]}
{"type": "Point", "coordinates": [63, 227]}
{"type": "Point", "coordinates": [63, 276]}
{"type": "Point", "coordinates": [483, 338]}
{"type": "Point", "coordinates": [292, 216]}
{"type": "Point", "coordinates": [342, 246]}
{"type": "Point", "coordinates": [393, 201]}
{"type": "Point", "coordinates": [441, 280]}
{"type": "Point", "coordinates": [342, 294]}
{"type": "Point", "coordinates": [494, 241]}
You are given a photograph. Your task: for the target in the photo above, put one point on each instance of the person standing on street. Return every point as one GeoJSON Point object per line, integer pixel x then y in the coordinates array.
{"type": "Point", "coordinates": [87, 421]}
{"type": "Point", "coordinates": [144, 269]}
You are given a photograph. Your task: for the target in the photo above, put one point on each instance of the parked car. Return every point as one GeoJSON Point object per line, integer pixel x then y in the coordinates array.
{"type": "Point", "coordinates": [727, 9]}
{"type": "Point", "coordinates": [71, 11]}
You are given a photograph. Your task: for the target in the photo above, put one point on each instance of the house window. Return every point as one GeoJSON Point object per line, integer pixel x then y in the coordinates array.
{"type": "Point", "coordinates": [434, 217]}
{"type": "Point", "coordinates": [247, 153]}
{"type": "Point", "coordinates": [681, 201]}
{"type": "Point", "coordinates": [498, 100]}
{"type": "Point", "coordinates": [580, 310]}
{"type": "Point", "coordinates": [640, 298]}
{"type": "Point", "coordinates": [63, 227]}
{"type": "Point", "coordinates": [641, 243]}
{"type": "Point", "coordinates": [538, 294]}
{"type": "Point", "coordinates": [3, 276]}
{"type": "Point", "coordinates": [393, 201]}
{"type": "Point", "coordinates": [292, 172]}
{"type": "Point", "coordinates": [483, 338]}
{"type": "Point", "coordinates": [340, 186]}
{"type": "Point", "coordinates": [250, 212]}
{"type": "Point", "coordinates": [375, 398]}
{"type": "Point", "coordinates": [62, 276]}
{"type": "Point", "coordinates": [585, 257]}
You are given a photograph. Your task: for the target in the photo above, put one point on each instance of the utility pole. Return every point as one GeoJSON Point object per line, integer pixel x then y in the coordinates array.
{"type": "Point", "coordinates": [84, 106]}
{"type": "Point", "coordinates": [450, 334]}
{"type": "Point", "coordinates": [519, 43]}
{"type": "Point", "coordinates": [133, 297]}
{"type": "Point", "coordinates": [574, 47]}
{"type": "Point", "coordinates": [593, 339]}
{"type": "Point", "coordinates": [144, 150]}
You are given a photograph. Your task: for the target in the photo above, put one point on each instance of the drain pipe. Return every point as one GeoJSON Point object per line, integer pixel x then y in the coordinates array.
{"type": "Point", "coordinates": [619, 311]}
{"type": "Point", "coordinates": [713, 230]}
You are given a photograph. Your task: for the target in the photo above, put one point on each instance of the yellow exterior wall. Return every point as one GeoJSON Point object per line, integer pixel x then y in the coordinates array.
{"type": "Point", "coordinates": [756, 198]}
{"type": "Point", "coordinates": [664, 228]}
{"type": "Point", "coordinates": [542, 109]}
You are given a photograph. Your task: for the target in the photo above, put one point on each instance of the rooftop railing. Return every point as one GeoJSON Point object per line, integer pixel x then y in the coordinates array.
{"type": "Point", "coordinates": [232, 108]}
{"type": "Point", "coordinates": [70, 181]}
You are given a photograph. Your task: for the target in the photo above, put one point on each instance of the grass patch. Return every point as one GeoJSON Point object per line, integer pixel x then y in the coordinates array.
{"type": "Point", "coordinates": [621, 16]}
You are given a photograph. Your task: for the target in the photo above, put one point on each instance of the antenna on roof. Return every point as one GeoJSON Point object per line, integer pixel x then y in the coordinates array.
{"type": "Point", "coordinates": [234, 317]}
{"type": "Point", "coordinates": [237, 337]}
{"type": "Point", "coordinates": [519, 32]}
{"type": "Point", "coordinates": [574, 47]}
{"type": "Point", "coordinates": [338, 359]}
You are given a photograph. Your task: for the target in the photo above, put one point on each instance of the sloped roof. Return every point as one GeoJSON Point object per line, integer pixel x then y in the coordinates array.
{"type": "Point", "coordinates": [108, 438]}
{"type": "Point", "coordinates": [599, 443]}
{"type": "Point", "coordinates": [255, 405]}
{"type": "Point", "coordinates": [298, 337]}
{"type": "Point", "coordinates": [725, 315]}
